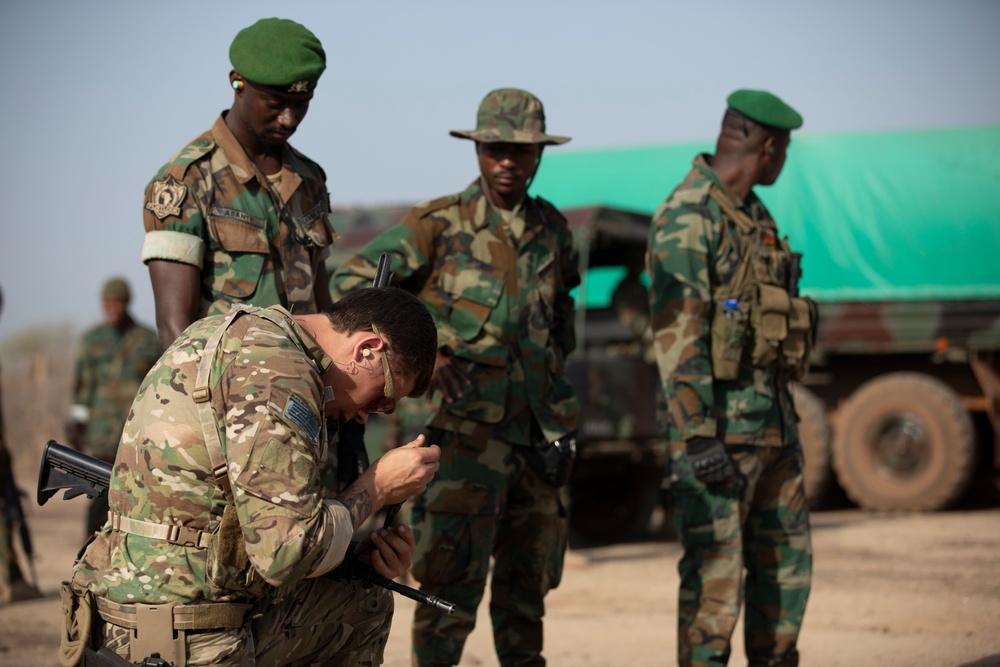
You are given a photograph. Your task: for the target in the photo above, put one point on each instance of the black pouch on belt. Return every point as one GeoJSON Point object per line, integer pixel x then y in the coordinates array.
{"type": "Point", "coordinates": [553, 461]}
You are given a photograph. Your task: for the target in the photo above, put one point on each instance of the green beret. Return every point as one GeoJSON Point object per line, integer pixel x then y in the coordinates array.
{"type": "Point", "coordinates": [116, 288]}
{"type": "Point", "coordinates": [279, 53]}
{"type": "Point", "coordinates": [765, 108]}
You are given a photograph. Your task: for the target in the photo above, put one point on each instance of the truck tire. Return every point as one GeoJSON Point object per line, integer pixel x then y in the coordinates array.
{"type": "Point", "coordinates": [815, 435]}
{"type": "Point", "coordinates": [904, 442]}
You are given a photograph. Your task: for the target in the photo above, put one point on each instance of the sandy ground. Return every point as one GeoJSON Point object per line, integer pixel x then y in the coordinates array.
{"type": "Point", "coordinates": [893, 591]}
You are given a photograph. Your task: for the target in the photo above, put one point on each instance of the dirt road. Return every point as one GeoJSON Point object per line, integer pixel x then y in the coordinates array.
{"type": "Point", "coordinates": [892, 591]}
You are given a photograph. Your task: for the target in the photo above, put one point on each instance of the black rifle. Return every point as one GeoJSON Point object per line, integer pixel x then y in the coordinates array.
{"type": "Point", "coordinates": [383, 277]}
{"type": "Point", "coordinates": [352, 455]}
{"type": "Point", "coordinates": [66, 468]}
{"type": "Point", "coordinates": [15, 515]}
{"type": "Point", "coordinates": [794, 274]}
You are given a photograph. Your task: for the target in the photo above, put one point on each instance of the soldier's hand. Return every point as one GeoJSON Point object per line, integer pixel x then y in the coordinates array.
{"type": "Point", "coordinates": [448, 377]}
{"type": "Point", "coordinates": [404, 471]}
{"type": "Point", "coordinates": [709, 459]}
{"type": "Point", "coordinates": [392, 551]}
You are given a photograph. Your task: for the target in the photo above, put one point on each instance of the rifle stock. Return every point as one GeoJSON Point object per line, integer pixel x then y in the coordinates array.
{"type": "Point", "coordinates": [65, 468]}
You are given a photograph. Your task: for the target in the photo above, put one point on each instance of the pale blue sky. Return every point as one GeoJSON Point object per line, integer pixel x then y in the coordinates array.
{"type": "Point", "coordinates": [98, 94]}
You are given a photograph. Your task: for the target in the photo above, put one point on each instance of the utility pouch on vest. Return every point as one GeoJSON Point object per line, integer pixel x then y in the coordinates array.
{"type": "Point", "coordinates": [798, 344]}
{"type": "Point", "coordinates": [227, 555]}
{"type": "Point", "coordinates": [769, 317]}
{"type": "Point", "coordinates": [729, 329]}
{"type": "Point", "coordinates": [78, 623]}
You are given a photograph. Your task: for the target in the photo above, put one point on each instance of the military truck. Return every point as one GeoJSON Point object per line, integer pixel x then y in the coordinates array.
{"type": "Point", "coordinates": [901, 234]}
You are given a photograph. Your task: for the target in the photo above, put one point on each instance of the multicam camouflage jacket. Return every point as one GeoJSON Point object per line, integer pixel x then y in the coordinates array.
{"type": "Point", "coordinates": [502, 308]}
{"type": "Point", "coordinates": [110, 367]}
{"type": "Point", "coordinates": [693, 248]}
{"type": "Point", "coordinates": [209, 206]}
{"type": "Point", "coordinates": [263, 404]}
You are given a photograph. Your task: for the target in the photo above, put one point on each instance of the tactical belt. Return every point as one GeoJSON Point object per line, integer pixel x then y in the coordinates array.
{"type": "Point", "coordinates": [209, 616]}
{"type": "Point", "coordinates": [174, 534]}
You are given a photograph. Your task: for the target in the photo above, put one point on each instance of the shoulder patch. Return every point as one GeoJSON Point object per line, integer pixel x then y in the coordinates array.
{"type": "Point", "coordinates": [297, 412]}
{"type": "Point", "coordinates": [166, 196]}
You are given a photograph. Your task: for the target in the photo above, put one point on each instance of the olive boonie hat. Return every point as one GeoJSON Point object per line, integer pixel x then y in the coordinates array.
{"type": "Point", "coordinates": [765, 108]}
{"type": "Point", "coordinates": [116, 288]}
{"type": "Point", "coordinates": [512, 116]}
{"type": "Point", "coordinates": [279, 53]}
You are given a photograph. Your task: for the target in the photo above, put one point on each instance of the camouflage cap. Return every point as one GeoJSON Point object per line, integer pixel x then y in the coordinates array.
{"type": "Point", "coordinates": [510, 115]}
{"type": "Point", "coordinates": [116, 288]}
{"type": "Point", "coordinates": [279, 53]}
{"type": "Point", "coordinates": [764, 108]}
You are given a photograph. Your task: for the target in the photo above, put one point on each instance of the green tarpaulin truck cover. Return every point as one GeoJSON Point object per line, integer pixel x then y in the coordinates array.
{"type": "Point", "coordinates": [879, 217]}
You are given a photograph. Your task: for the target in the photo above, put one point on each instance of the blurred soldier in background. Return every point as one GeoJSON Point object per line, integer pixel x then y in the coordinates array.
{"type": "Point", "coordinates": [238, 215]}
{"type": "Point", "coordinates": [113, 359]}
{"type": "Point", "coordinates": [13, 586]}
{"type": "Point", "coordinates": [495, 267]}
{"type": "Point", "coordinates": [728, 340]}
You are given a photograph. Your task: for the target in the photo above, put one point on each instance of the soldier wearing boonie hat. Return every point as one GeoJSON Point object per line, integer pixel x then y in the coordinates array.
{"type": "Point", "coordinates": [494, 266]}
{"type": "Point", "coordinates": [730, 333]}
{"type": "Point", "coordinates": [238, 215]}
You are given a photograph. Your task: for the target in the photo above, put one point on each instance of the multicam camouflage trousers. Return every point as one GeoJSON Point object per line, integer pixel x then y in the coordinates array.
{"type": "Point", "coordinates": [315, 622]}
{"type": "Point", "coordinates": [486, 501]}
{"type": "Point", "coordinates": [757, 521]}
{"type": "Point", "coordinates": [323, 621]}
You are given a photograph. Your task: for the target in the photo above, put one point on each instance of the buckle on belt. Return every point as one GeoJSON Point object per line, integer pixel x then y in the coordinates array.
{"type": "Point", "coordinates": [154, 633]}
{"type": "Point", "coordinates": [183, 536]}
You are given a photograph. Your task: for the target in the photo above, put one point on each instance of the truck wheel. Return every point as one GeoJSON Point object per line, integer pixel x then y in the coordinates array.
{"type": "Point", "coordinates": [904, 442]}
{"type": "Point", "coordinates": [815, 434]}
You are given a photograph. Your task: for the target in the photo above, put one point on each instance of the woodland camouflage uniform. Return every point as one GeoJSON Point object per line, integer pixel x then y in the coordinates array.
{"type": "Point", "coordinates": [758, 518]}
{"type": "Point", "coordinates": [499, 293]}
{"type": "Point", "coordinates": [210, 207]}
{"type": "Point", "coordinates": [266, 549]}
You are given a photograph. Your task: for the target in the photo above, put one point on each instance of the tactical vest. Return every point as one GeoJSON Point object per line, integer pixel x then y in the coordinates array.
{"type": "Point", "coordinates": [754, 310]}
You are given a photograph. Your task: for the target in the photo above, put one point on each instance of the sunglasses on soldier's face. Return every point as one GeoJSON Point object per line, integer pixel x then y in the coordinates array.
{"type": "Point", "coordinates": [386, 403]}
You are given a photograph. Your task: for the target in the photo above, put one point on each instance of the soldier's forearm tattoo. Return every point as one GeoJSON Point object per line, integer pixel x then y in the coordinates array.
{"type": "Point", "coordinates": [358, 503]}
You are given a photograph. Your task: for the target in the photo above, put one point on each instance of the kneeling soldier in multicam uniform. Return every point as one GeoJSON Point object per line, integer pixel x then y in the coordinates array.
{"type": "Point", "coordinates": [226, 520]}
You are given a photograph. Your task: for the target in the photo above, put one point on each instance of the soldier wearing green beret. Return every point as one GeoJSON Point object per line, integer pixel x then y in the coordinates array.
{"type": "Point", "coordinates": [730, 333]}
{"type": "Point", "coordinates": [238, 215]}
{"type": "Point", "coordinates": [495, 267]}
{"type": "Point", "coordinates": [112, 360]}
